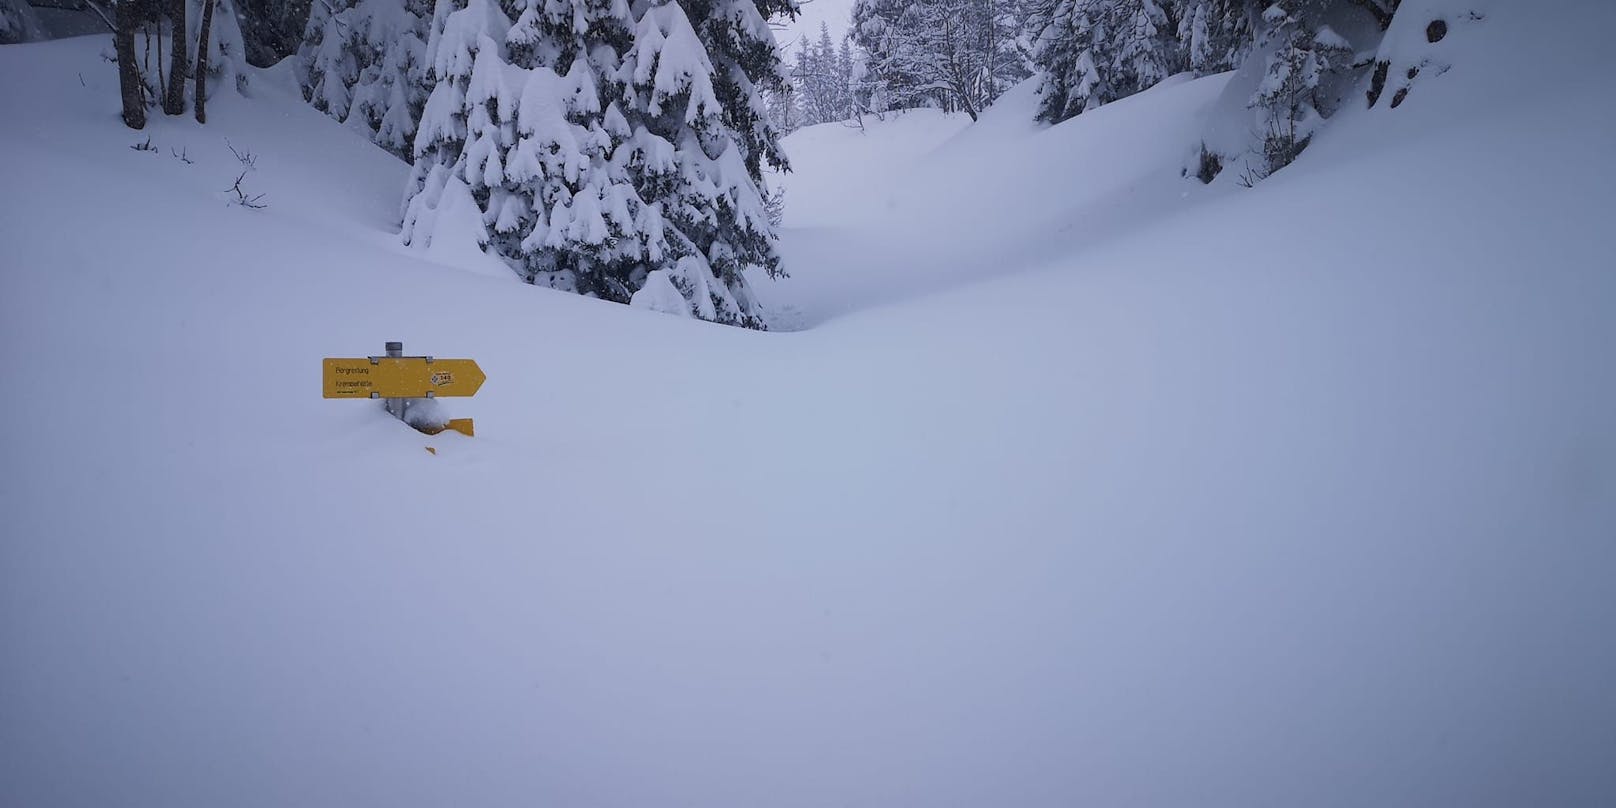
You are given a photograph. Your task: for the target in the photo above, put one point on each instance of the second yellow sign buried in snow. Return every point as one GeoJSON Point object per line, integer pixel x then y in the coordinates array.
{"type": "Point", "coordinates": [401, 377]}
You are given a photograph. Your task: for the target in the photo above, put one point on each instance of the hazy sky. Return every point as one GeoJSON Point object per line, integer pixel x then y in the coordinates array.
{"type": "Point", "coordinates": [831, 12]}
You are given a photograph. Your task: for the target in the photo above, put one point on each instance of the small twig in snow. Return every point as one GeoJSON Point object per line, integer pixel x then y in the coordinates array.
{"type": "Point", "coordinates": [244, 157]}
{"type": "Point", "coordinates": [255, 201]}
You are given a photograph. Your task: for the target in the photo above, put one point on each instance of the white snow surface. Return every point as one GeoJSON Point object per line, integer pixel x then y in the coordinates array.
{"type": "Point", "coordinates": [1083, 484]}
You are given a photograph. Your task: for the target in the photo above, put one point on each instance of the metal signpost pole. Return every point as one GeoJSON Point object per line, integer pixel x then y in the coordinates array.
{"type": "Point", "coordinates": [397, 407]}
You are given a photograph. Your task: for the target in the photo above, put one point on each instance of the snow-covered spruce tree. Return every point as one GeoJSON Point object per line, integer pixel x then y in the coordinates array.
{"type": "Point", "coordinates": [1216, 35]}
{"type": "Point", "coordinates": [698, 160]}
{"type": "Point", "coordinates": [877, 32]}
{"type": "Point", "coordinates": [364, 62]}
{"type": "Point", "coordinates": [746, 64]}
{"type": "Point", "coordinates": [957, 55]}
{"type": "Point", "coordinates": [964, 51]}
{"type": "Point", "coordinates": [1301, 56]}
{"type": "Point", "coordinates": [1063, 34]}
{"type": "Point", "coordinates": [272, 30]}
{"type": "Point", "coordinates": [437, 196]}
{"type": "Point", "coordinates": [825, 79]}
{"type": "Point", "coordinates": [1147, 50]}
{"type": "Point", "coordinates": [567, 214]}
{"type": "Point", "coordinates": [19, 23]}
{"type": "Point", "coordinates": [1295, 76]}
{"type": "Point", "coordinates": [822, 80]}
{"type": "Point", "coordinates": [600, 162]}
{"type": "Point", "coordinates": [1093, 52]}
{"type": "Point", "coordinates": [809, 82]}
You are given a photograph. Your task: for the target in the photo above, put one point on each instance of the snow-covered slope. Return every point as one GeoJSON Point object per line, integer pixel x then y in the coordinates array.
{"type": "Point", "coordinates": [1090, 485]}
{"type": "Point", "coordinates": [919, 202]}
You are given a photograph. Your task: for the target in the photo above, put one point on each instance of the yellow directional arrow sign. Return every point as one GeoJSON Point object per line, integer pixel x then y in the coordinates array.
{"type": "Point", "coordinates": [401, 377]}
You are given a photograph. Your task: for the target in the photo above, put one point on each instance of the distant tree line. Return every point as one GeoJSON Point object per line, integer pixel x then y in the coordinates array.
{"type": "Point", "coordinates": [1093, 52]}
{"type": "Point", "coordinates": [822, 82]}
{"type": "Point", "coordinates": [960, 55]}
{"type": "Point", "coordinates": [955, 55]}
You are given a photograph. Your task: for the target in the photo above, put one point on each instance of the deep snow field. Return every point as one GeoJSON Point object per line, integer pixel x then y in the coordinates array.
{"type": "Point", "coordinates": [1065, 480]}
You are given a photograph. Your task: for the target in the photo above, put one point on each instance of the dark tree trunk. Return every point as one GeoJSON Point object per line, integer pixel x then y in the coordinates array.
{"type": "Point", "coordinates": [123, 41]}
{"type": "Point", "coordinates": [202, 60]}
{"type": "Point", "coordinates": [174, 102]}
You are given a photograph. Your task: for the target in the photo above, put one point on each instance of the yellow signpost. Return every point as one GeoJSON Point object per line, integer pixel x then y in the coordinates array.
{"type": "Point", "coordinates": [405, 382]}
{"type": "Point", "coordinates": [401, 377]}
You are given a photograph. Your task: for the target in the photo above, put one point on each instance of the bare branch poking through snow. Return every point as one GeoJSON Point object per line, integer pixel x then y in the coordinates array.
{"type": "Point", "coordinates": [244, 157]}
{"type": "Point", "coordinates": [254, 201]}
